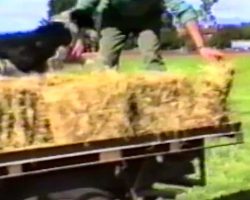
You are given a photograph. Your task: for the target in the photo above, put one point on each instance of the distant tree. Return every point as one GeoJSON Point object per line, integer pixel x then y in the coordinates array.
{"type": "Point", "coordinates": [224, 36]}
{"type": "Point", "coordinates": [245, 32]}
{"type": "Point", "coordinates": [170, 39]}
{"type": "Point", "coordinates": [57, 6]}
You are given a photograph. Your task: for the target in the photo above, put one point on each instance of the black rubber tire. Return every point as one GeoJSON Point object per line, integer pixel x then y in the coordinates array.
{"type": "Point", "coordinates": [97, 198]}
{"type": "Point", "coordinates": [95, 194]}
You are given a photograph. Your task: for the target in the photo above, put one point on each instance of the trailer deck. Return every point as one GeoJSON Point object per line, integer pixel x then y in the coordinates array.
{"type": "Point", "coordinates": [37, 161]}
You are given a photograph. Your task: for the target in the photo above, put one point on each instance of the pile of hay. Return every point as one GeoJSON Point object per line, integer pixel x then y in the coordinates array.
{"type": "Point", "coordinates": [61, 109]}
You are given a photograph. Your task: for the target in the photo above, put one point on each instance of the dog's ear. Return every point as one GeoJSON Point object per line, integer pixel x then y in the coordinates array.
{"type": "Point", "coordinates": [44, 22]}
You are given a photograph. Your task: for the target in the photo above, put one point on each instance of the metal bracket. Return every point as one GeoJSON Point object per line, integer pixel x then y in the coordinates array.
{"type": "Point", "coordinates": [175, 147]}
{"type": "Point", "coordinates": [110, 156]}
{"type": "Point", "coordinates": [15, 169]}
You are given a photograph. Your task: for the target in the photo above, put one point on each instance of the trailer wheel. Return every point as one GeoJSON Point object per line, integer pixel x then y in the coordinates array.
{"type": "Point", "coordinates": [95, 194]}
{"type": "Point", "coordinates": [96, 198]}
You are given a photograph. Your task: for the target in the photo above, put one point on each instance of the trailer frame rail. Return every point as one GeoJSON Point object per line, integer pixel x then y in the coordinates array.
{"type": "Point", "coordinates": [37, 161]}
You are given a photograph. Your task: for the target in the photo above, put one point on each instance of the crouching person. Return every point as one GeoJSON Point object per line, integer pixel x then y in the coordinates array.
{"type": "Point", "coordinates": [119, 18]}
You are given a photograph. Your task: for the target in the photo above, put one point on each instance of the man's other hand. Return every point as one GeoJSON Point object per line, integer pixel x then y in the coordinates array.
{"type": "Point", "coordinates": [211, 54]}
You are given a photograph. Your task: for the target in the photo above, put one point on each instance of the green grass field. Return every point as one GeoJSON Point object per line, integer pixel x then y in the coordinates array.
{"type": "Point", "coordinates": [228, 168]}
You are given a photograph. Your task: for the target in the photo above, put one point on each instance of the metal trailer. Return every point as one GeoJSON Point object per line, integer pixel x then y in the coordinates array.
{"type": "Point", "coordinates": [114, 169]}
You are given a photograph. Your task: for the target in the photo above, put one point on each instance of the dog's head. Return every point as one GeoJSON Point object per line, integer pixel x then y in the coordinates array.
{"type": "Point", "coordinates": [56, 33]}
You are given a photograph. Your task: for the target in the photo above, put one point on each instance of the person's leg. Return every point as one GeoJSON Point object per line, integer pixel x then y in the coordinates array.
{"type": "Point", "coordinates": [149, 45]}
{"type": "Point", "coordinates": [111, 44]}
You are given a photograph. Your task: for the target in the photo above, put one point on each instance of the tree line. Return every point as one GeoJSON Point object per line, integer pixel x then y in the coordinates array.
{"type": "Point", "coordinates": [220, 39]}
{"type": "Point", "coordinates": [57, 6]}
{"type": "Point", "coordinates": [224, 36]}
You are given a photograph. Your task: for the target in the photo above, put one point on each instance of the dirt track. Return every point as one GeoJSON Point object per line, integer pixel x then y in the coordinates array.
{"type": "Point", "coordinates": [136, 54]}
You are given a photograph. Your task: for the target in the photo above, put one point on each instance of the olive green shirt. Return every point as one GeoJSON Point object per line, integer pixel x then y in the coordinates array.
{"type": "Point", "coordinates": [180, 9]}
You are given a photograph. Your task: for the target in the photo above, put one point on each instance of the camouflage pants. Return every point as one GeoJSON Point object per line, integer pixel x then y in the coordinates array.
{"type": "Point", "coordinates": [115, 31]}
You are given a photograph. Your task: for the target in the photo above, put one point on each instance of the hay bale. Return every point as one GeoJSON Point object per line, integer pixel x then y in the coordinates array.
{"type": "Point", "coordinates": [167, 102]}
{"type": "Point", "coordinates": [90, 107]}
{"type": "Point", "coordinates": [21, 111]}
{"type": "Point", "coordinates": [161, 102]}
{"type": "Point", "coordinates": [63, 109]}
{"type": "Point", "coordinates": [212, 91]}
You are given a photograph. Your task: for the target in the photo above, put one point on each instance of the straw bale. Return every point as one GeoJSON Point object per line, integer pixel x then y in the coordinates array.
{"type": "Point", "coordinates": [162, 102]}
{"type": "Point", "coordinates": [213, 89]}
{"type": "Point", "coordinates": [21, 111]}
{"type": "Point", "coordinates": [170, 102]}
{"type": "Point", "coordinates": [90, 107]}
{"type": "Point", "coordinates": [64, 108]}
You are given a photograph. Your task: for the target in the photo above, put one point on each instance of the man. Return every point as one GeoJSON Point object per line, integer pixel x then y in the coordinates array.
{"type": "Point", "coordinates": [142, 17]}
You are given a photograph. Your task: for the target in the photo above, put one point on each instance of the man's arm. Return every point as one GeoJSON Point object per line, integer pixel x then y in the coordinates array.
{"type": "Point", "coordinates": [187, 17]}
{"type": "Point", "coordinates": [185, 14]}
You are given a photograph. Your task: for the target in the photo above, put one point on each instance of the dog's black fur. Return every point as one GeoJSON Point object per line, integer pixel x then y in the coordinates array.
{"type": "Point", "coordinates": [29, 51]}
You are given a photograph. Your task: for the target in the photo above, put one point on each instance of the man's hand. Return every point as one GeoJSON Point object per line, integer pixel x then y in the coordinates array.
{"type": "Point", "coordinates": [77, 49]}
{"type": "Point", "coordinates": [211, 54]}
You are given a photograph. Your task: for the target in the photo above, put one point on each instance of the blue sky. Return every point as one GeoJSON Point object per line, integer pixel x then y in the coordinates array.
{"type": "Point", "coordinates": [227, 11]}
{"type": "Point", "coordinates": [17, 15]}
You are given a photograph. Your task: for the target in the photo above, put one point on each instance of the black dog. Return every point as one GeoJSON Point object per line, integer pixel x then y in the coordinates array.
{"type": "Point", "coordinates": [29, 51]}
